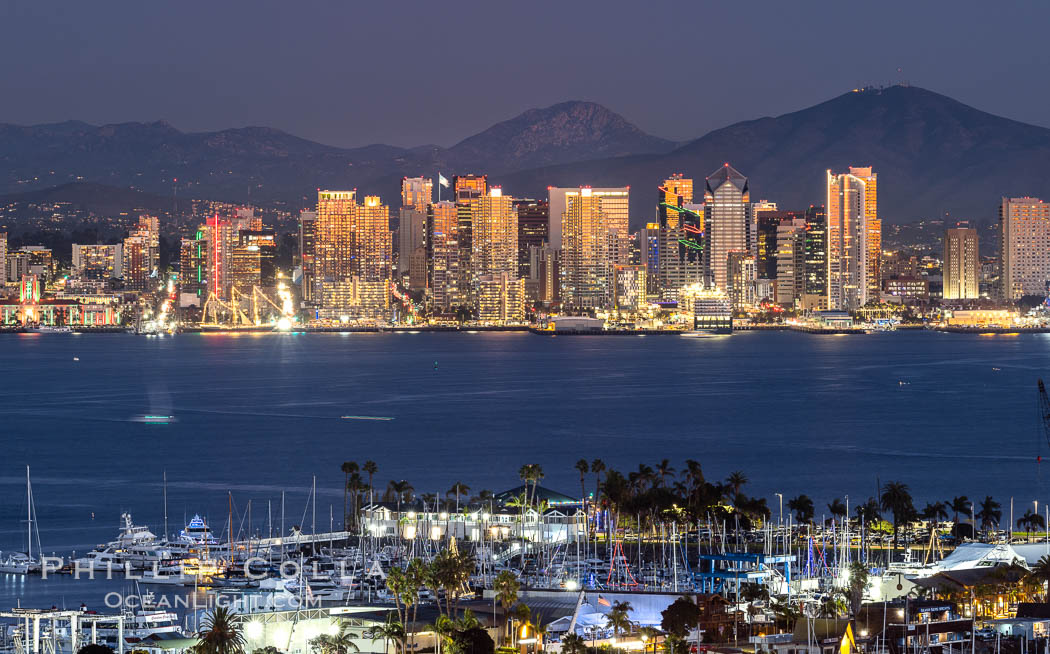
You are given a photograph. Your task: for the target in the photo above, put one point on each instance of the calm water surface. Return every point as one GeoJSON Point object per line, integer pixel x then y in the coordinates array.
{"type": "Point", "coordinates": [260, 414]}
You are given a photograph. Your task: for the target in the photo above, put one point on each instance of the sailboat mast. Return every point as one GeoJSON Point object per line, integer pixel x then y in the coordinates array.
{"type": "Point", "coordinates": [29, 516]}
{"type": "Point", "coordinates": [229, 495]}
{"type": "Point", "coordinates": [165, 504]}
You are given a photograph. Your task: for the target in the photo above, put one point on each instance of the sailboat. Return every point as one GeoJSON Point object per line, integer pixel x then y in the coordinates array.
{"type": "Point", "coordinates": [20, 563]}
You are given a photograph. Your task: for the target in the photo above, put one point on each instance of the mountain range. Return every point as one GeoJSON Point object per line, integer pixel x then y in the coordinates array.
{"type": "Point", "coordinates": [932, 153]}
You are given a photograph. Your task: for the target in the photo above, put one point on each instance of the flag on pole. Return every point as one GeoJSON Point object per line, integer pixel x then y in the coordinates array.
{"type": "Point", "coordinates": [603, 601]}
{"type": "Point", "coordinates": [442, 181]}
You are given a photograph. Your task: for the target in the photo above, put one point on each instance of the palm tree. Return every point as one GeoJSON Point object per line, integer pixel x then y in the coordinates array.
{"type": "Point", "coordinates": [619, 618]}
{"type": "Point", "coordinates": [990, 513]}
{"type": "Point", "coordinates": [736, 481]}
{"type": "Point", "coordinates": [355, 485]}
{"type": "Point", "coordinates": [1041, 572]}
{"type": "Point", "coordinates": [573, 643]}
{"type": "Point", "coordinates": [1030, 520]}
{"type": "Point", "coordinates": [803, 508]}
{"type": "Point", "coordinates": [583, 469]}
{"type": "Point", "coordinates": [597, 467]}
{"type": "Point", "coordinates": [347, 467]}
{"type": "Point", "coordinates": [221, 634]}
{"type": "Point", "coordinates": [341, 642]}
{"type": "Point", "coordinates": [391, 630]}
{"type": "Point", "coordinates": [663, 471]}
{"type": "Point", "coordinates": [371, 468]}
{"type": "Point", "coordinates": [837, 508]}
{"type": "Point", "coordinates": [458, 488]}
{"type": "Point", "coordinates": [957, 505]}
{"type": "Point", "coordinates": [403, 491]}
{"type": "Point", "coordinates": [506, 587]}
{"type": "Point", "coordinates": [897, 500]}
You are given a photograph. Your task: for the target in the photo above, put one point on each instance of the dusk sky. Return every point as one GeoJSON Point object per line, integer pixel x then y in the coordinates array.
{"type": "Point", "coordinates": [409, 73]}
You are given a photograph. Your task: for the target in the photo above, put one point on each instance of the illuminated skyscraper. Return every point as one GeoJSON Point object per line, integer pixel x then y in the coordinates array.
{"type": "Point", "coordinates": [961, 264]}
{"type": "Point", "coordinates": [442, 244]}
{"type": "Point", "coordinates": [630, 284]}
{"type": "Point", "coordinates": [585, 263]}
{"type": "Point", "coordinates": [741, 280]}
{"type": "Point", "coordinates": [494, 259]}
{"type": "Point", "coordinates": [135, 263]}
{"type": "Point", "coordinates": [815, 294]}
{"type": "Point", "coordinates": [1024, 226]}
{"type": "Point", "coordinates": [849, 253]}
{"type": "Point", "coordinates": [252, 262]}
{"type": "Point", "coordinates": [3, 257]}
{"type": "Point", "coordinates": [334, 235]}
{"type": "Point", "coordinates": [98, 262]}
{"type": "Point", "coordinates": [148, 227]}
{"type": "Point", "coordinates": [726, 216]}
{"type": "Point", "coordinates": [791, 261]}
{"type": "Point", "coordinates": [353, 255]}
{"type": "Point", "coordinates": [533, 226]}
{"type": "Point", "coordinates": [676, 191]}
{"type": "Point", "coordinates": [193, 280]}
{"type": "Point", "coordinates": [417, 193]}
{"type": "Point", "coordinates": [307, 255]}
{"type": "Point", "coordinates": [616, 205]}
{"type": "Point", "coordinates": [465, 189]}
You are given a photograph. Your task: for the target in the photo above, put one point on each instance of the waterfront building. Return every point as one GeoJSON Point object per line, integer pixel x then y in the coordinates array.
{"type": "Point", "coordinates": [630, 294]}
{"type": "Point", "coordinates": [767, 220]}
{"type": "Point", "coordinates": [907, 288]}
{"type": "Point", "coordinates": [307, 255]}
{"type": "Point", "coordinates": [544, 284]}
{"type": "Point", "coordinates": [585, 260]}
{"type": "Point", "coordinates": [1024, 231]}
{"type": "Point", "coordinates": [193, 280]}
{"type": "Point", "coordinates": [815, 292]}
{"type": "Point", "coordinates": [501, 299]}
{"type": "Point", "coordinates": [135, 263]}
{"type": "Point", "coordinates": [961, 264]}
{"type": "Point", "coordinates": [494, 242]}
{"type": "Point", "coordinates": [252, 261]}
{"type": "Point", "coordinates": [442, 242]}
{"type": "Point", "coordinates": [533, 232]}
{"type": "Point", "coordinates": [852, 226]}
{"type": "Point", "coordinates": [97, 262]}
{"type": "Point", "coordinates": [467, 188]}
{"type": "Point", "coordinates": [726, 222]}
{"type": "Point", "coordinates": [616, 205]}
{"type": "Point", "coordinates": [790, 261]}
{"type": "Point", "coordinates": [353, 255]}
{"type": "Point", "coordinates": [741, 281]}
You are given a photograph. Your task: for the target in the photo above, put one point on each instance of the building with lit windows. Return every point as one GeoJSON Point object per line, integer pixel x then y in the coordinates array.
{"type": "Point", "coordinates": [442, 242]}
{"type": "Point", "coordinates": [766, 223]}
{"type": "Point", "coordinates": [417, 193]}
{"type": "Point", "coordinates": [741, 280]}
{"type": "Point", "coordinates": [307, 255]}
{"type": "Point", "coordinates": [501, 299]}
{"type": "Point", "coordinates": [3, 257]}
{"type": "Point", "coordinates": [135, 263]}
{"type": "Point", "coordinates": [97, 262]}
{"type": "Point", "coordinates": [649, 256]}
{"type": "Point", "coordinates": [586, 266]}
{"type": "Point", "coordinates": [676, 191]}
{"type": "Point", "coordinates": [252, 262]}
{"type": "Point", "coordinates": [494, 256]}
{"type": "Point", "coordinates": [726, 222]}
{"type": "Point", "coordinates": [815, 293]}
{"type": "Point", "coordinates": [790, 261]}
{"type": "Point", "coordinates": [416, 196]}
{"type": "Point", "coordinates": [961, 266]}
{"type": "Point", "coordinates": [616, 205]}
{"type": "Point", "coordinates": [533, 231]}
{"type": "Point", "coordinates": [851, 207]}
{"type": "Point", "coordinates": [466, 188]}
{"type": "Point", "coordinates": [1024, 231]}
{"type": "Point", "coordinates": [630, 292]}
{"type": "Point", "coordinates": [193, 280]}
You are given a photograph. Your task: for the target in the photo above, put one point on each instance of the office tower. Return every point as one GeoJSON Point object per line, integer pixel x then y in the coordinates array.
{"type": "Point", "coordinates": [849, 255]}
{"type": "Point", "coordinates": [373, 255]}
{"type": "Point", "coordinates": [135, 263]}
{"type": "Point", "coordinates": [442, 244]}
{"type": "Point", "coordinates": [148, 228]}
{"type": "Point", "coordinates": [791, 261]}
{"type": "Point", "coordinates": [961, 264]}
{"type": "Point", "coordinates": [585, 261]}
{"type": "Point", "coordinates": [726, 216]}
{"type": "Point", "coordinates": [676, 191]}
{"type": "Point", "coordinates": [545, 280]}
{"type": "Point", "coordinates": [417, 193]}
{"type": "Point", "coordinates": [464, 189]}
{"type": "Point", "coordinates": [3, 257]}
{"type": "Point", "coordinates": [767, 221]}
{"type": "Point", "coordinates": [193, 281]}
{"type": "Point", "coordinates": [97, 262]}
{"type": "Point", "coordinates": [631, 291]}
{"type": "Point", "coordinates": [649, 256]}
{"type": "Point", "coordinates": [217, 234]}
{"type": "Point", "coordinates": [334, 235]}
{"type": "Point", "coordinates": [307, 255]}
{"type": "Point", "coordinates": [815, 293]}
{"type": "Point", "coordinates": [533, 225]}
{"type": "Point", "coordinates": [494, 258]}
{"type": "Point", "coordinates": [252, 262]}
{"type": "Point", "coordinates": [1024, 242]}
{"type": "Point", "coordinates": [754, 209]}
{"type": "Point", "coordinates": [741, 279]}
{"type": "Point", "coordinates": [615, 204]}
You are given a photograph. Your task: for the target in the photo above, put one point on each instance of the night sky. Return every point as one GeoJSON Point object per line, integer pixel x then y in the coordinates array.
{"type": "Point", "coordinates": [409, 73]}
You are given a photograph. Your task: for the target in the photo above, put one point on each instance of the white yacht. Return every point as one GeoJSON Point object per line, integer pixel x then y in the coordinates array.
{"type": "Point", "coordinates": [101, 559]}
{"type": "Point", "coordinates": [15, 563]}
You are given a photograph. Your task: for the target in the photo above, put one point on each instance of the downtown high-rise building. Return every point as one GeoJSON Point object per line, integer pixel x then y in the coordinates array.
{"type": "Point", "coordinates": [141, 253]}
{"type": "Point", "coordinates": [1024, 242]}
{"type": "Point", "coordinates": [854, 239]}
{"type": "Point", "coordinates": [962, 266]}
{"type": "Point", "coordinates": [467, 188]}
{"type": "Point", "coordinates": [680, 239]}
{"type": "Point", "coordinates": [443, 260]}
{"type": "Point", "coordinates": [675, 192]}
{"type": "Point", "coordinates": [815, 291]}
{"type": "Point", "coordinates": [3, 257]}
{"type": "Point", "coordinates": [353, 255]}
{"type": "Point", "coordinates": [726, 222]}
{"type": "Point", "coordinates": [97, 262]}
{"type": "Point", "coordinates": [586, 266]}
{"type": "Point", "coordinates": [790, 261]}
{"type": "Point", "coordinates": [496, 285]}
{"type": "Point", "coordinates": [193, 271]}
{"type": "Point", "coordinates": [416, 196]}
{"type": "Point", "coordinates": [307, 255]}
{"type": "Point", "coordinates": [417, 192]}
{"type": "Point", "coordinates": [616, 205]}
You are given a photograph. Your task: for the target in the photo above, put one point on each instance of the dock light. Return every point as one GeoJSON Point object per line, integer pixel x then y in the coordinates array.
{"type": "Point", "coordinates": [333, 629]}
{"type": "Point", "coordinates": [444, 515]}
{"type": "Point", "coordinates": [485, 516]}
{"type": "Point", "coordinates": [411, 515]}
{"type": "Point", "coordinates": [284, 324]}
{"type": "Point", "coordinates": [571, 585]}
{"type": "Point", "coordinates": [253, 629]}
